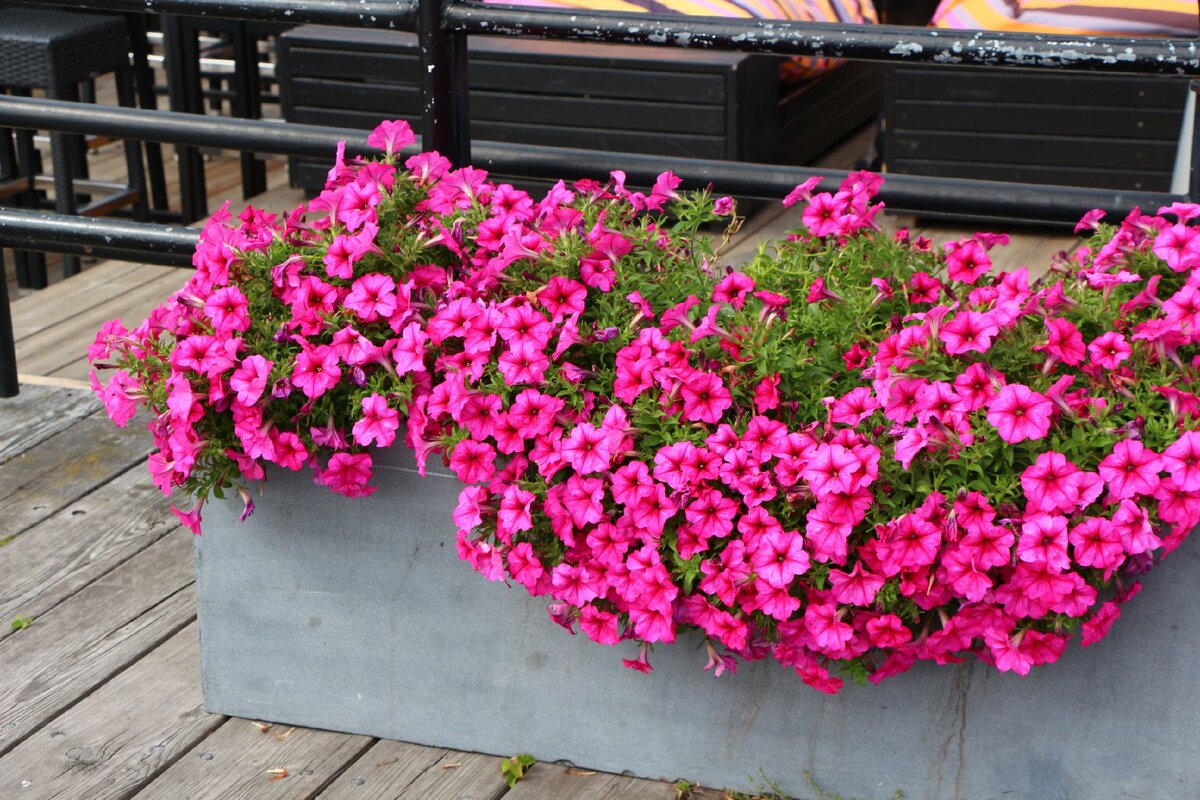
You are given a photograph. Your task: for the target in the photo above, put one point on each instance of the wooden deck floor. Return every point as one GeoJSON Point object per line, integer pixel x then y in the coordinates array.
{"type": "Point", "coordinates": [101, 691]}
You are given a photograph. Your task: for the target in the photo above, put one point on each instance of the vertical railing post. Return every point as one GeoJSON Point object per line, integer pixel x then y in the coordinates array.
{"type": "Point", "coordinates": [8, 349]}
{"type": "Point", "coordinates": [1193, 185]}
{"type": "Point", "coordinates": [445, 124]}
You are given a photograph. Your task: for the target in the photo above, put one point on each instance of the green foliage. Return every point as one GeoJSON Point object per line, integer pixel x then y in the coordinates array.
{"type": "Point", "coordinates": [21, 622]}
{"type": "Point", "coordinates": [514, 769]}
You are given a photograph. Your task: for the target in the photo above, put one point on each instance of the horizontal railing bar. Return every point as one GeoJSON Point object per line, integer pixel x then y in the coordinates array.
{"type": "Point", "coordinates": [909, 44]}
{"type": "Point", "coordinates": [840, 40]}
{"type": "Point", "coordinates": [111, 238]}
{"type": "Point", "coordinates": [916, 193]}
{"type": "Point", "coordinates": [175, 127]}
{"type": "Point", "coordinates": [398, 14]}
{"type": "Point", "coordinates": [956, 197]}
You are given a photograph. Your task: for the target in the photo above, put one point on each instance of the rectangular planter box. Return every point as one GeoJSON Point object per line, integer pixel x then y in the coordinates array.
{"type": "Point", "coordinates": [356, 615]}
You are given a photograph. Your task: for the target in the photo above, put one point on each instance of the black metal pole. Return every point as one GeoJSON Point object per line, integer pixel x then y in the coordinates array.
{"type": "Point", "coordinates": [181, 51]}
{"type": "Point", "coordinates": [247, 103]}
{"type": "Point", "coordinates": [173, 127]}
{"type": "Point", "coordinates": [140, 48]}
{"type": "Point", "coordinates": [113, 238]}
{"type": "Point", "coordinates": [392, 14]}
{"type": "Point", "coordinates": [1194, 172]}
{"type": "Point", "coordinates": [9, 386]}
{"type": "Point", "coordinates": [444, 120]}
{"type": "Point", "coordinates": [949, 196]}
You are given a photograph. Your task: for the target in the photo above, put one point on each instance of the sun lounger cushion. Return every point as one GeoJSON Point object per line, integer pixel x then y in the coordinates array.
{"type": "Point", "coordinates": [852, 11]}
{"type": "Point", "coordinates": [1093, 17]}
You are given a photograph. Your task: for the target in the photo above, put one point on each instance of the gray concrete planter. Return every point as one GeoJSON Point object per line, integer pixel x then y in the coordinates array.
{"type": "Point", "coordinates": [356, 615]}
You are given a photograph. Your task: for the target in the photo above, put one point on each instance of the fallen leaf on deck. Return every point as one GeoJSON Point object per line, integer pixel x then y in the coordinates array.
{"type": "Point", "coordinates": [277, 774]}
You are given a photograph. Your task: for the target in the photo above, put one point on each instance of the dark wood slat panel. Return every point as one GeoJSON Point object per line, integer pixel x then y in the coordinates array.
{"type": "Point", "coordinates": [1017, 86]}
{"type": "Point", "coordinates": [680, 117]}
{"type": "Point", "coordinates": [1017, 118]}
{"type": "Point", "coordinates": [336, 117]}
{"type": "Point", "coordinates": [78, 645]}
{"type": "Point", "coordinates": [849, 84]}
{"type": "Point", "coordinates": [119, 738]}
{"type": "Point", "coordinates": [388, 101]}
{"type": "Point", "coordinates": [1066, 151]}
{"type": "Point", "coordinates": [617, 141]}
{"type": "Point", "coordinates": [382, 100]}
{"type": "Point", "coordinates": [1119, 179]}
{"type": "Point", "coordinates": [540, 77]}
{"type": "Point", "coordinates": [237, 762]}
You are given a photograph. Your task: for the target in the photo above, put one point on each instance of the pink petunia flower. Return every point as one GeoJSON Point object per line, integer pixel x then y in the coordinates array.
{"type": "Point", "coordinates": [348, 474]}
{"type": "Point", "coordinates": [249, 380]}
{"type": "Point", "coordinates": [966, 260]}
{"type": "Point", "coordinates": [1063, 342]}
{"type": "Point", "coordinates": [587, 449]}
{"type": "Point", "coordinates": [1130, 470]}
{"type": "Point", "coordinates": [378, 424]}
{"type": "Point", "coordinates": [705, 398]}
{"type": "Point", "coordinates": [316, 371]}
{"type": "Point", "coordinates": [1044, 541]}
{"type": "Point", "coordinates": [1050, 483]}
{"type": "Point", "coordinates": [472, 461]}
{"type": "Point", "coordinates": [1018, 413]}
{"type": "Point", "coordinates": [779, 557]}
{"type": "Point", "coordinates": [391, 136]}
{"type": "Point", "coordinates": [968, 332]}
{"type": "Point", "coordinates": [1109, 349]}
{"type": "Point", "coordinates": [409, 353]}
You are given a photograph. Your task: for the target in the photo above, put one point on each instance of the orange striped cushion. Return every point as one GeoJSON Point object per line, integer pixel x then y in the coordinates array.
{"type": "Point", "coordinates": [1087, 17]}
{"type": "Point", "coordinates": [856, 11]}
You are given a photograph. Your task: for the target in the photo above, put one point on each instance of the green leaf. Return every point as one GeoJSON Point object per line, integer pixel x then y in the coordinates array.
{"type": "Point", "coordinates": [514, 769]}
{"type": "Point", "coordinates": [21, 621]}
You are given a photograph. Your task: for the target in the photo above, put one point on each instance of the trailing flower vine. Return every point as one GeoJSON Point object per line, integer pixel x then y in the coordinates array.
{"type": "Point", "coordinates": [856, 452]}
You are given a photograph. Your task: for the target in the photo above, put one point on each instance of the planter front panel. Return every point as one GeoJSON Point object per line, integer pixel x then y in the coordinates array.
{"type": "Point", "coordinates": [356, 615]}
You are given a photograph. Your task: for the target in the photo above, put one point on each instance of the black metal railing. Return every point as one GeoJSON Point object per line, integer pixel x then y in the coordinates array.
{"type": "Point", "coordinates": [442, 27]}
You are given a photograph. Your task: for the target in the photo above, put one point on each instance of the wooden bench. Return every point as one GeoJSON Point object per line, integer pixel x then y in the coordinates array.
{"type": "Point", "coordinates": [604, 97]}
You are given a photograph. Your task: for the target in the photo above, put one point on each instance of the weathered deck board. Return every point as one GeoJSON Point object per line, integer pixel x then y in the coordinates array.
{"type": "Point", "coordinates": [43, 480]}
{"type": "Point", "coordinates": [236, 762]}
{"type": "Point", "coordinates": [48, 351]}
{"type": "Point", "coordinates": [385, 770]}
{"type": "Point", "coordinates": [551, 780]}
{"type": "Point", "coordinates": [96, 633]}
{"type": "Point", "coordinates": [120, 737]}
{"type": "Point", "coordinates": [105, 283]}
{"type": "Point", "coordinates": [59, 556]}
{"type": "Point", "coordinates": [452, 776]}
{"type": "Point", "coordinates": [37, 414]}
